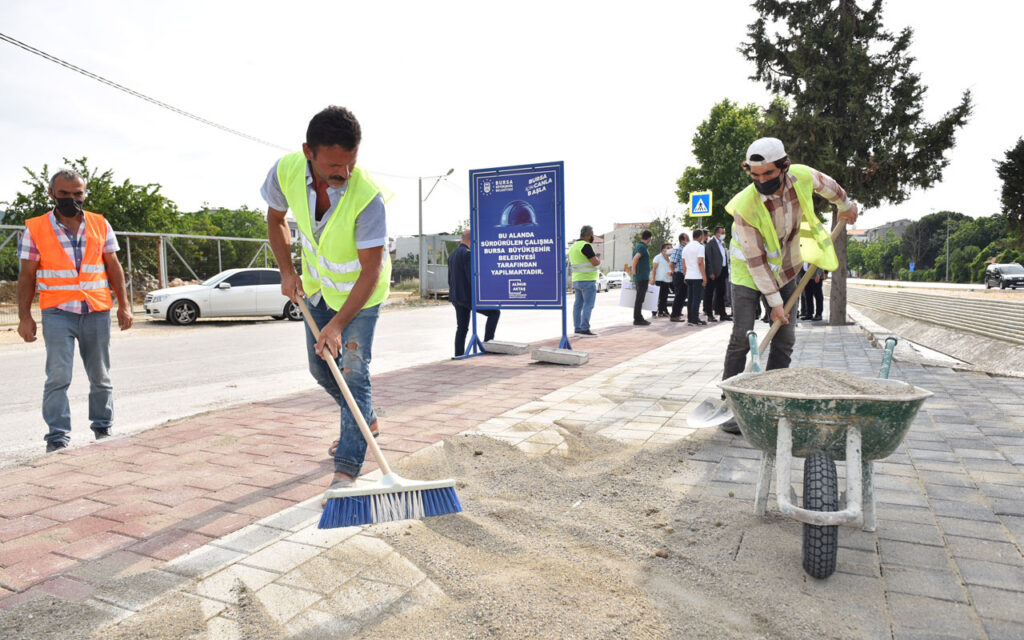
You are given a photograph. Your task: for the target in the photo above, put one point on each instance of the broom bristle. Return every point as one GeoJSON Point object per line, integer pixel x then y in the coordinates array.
{"type": "Point", "coordinates": [353, 511]}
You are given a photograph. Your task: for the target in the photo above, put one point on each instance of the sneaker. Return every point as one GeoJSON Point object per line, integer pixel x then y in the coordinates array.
{"type": "Point", "coordinates": [676, 319]}
{"type": "Point", "coordinates": [102, 433]}
{"type": "Point", "coordinates": [641, 323]}
{"type": "Point", "coordinates": [586, 334]}
{"type": "Point", "coordinates": [55, 445]}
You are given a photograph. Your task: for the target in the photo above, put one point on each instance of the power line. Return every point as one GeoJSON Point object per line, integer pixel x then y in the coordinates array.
{"type": "Point", "coordinates": [132, 92]}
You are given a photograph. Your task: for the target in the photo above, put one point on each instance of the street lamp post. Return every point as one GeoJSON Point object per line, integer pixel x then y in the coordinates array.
{"type": "Point", "coordinates": [947, 246]}
{"type": "Point", "coordinates": [423, 248]}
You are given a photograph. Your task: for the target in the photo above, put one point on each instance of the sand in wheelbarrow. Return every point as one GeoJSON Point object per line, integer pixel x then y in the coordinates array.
{"type": "Point", "coordinates": [814, 381]}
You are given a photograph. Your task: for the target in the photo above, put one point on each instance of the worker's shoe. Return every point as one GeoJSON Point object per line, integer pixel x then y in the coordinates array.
{"type": "Point", "coordinates": [731, 426]}
{"type": "Point", "coordinates": [55, 445]}
{"type": "Point", "coordinates": [101, 433]}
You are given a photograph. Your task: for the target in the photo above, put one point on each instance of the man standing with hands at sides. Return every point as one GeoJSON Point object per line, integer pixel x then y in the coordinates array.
{"type": "Point", "coordinates": [70, 256]}
{"type": "Point", "coordinates": [678, 278]}
{"type": "Point", "coordinates": [716, 262]}
{"type": "Point", "coordinates": [775, 230]}
{"type": "Point", "coordinates": [641, 270]}
{"type": "Point", "coordinates": [460, 294]}
{"type": "Point", "coordinates": [661, 275]}
{"type": "Point", "coordinates": [696, 277]}
{"type": "Point", "coordinates": [584, 264]}
{"type": "Point", "coordinates": [346, 269]}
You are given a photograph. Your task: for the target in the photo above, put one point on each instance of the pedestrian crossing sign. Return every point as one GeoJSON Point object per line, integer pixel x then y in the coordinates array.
{"type": "Point", "coordinates": [700, 204]}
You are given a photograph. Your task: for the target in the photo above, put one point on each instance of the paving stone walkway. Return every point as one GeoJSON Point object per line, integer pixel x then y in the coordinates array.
{"type": "Point", "coordinates": [946, 560]}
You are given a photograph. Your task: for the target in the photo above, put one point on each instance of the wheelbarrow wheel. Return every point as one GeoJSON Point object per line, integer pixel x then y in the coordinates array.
{"type": "Point", "coordinates": [821, 493]}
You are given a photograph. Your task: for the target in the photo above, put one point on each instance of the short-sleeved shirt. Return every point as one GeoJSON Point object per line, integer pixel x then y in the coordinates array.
{"type": "Point", "coordinates": [371, 223]}
{"type": "Point", "coordinates": [662, 274]}
{"type": "Point", "coordinates": [588, 251]}
{"type": "Point", "coordinates": [643, 265]}
{"type": "Point", "coordinates": [693, 252]}
{"type": "Point", "coordinates": [74, 247]}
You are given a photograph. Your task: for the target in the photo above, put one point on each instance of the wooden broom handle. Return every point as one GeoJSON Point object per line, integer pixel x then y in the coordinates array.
{"type": "Point", "coordinates": [371, 444]}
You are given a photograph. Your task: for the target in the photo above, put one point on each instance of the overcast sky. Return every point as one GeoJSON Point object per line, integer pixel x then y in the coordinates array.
{"type": "Point", "coordinates": [615, 90]}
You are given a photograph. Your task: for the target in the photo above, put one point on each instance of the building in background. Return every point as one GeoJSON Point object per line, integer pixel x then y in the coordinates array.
{"type": "Point", "coordinates": [879, 232]}
{"type": "Point", "coordinates": [617, 245]}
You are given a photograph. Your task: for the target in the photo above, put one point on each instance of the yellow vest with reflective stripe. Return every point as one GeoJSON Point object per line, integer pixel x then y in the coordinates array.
{"type": "Point", "coordinates": [331, 265]}
{"type": "Point", "coordinates": [815, 243]}
{"type": "Point", "coordinates": [582, 269]}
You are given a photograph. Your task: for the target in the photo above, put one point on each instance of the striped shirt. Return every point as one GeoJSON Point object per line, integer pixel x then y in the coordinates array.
{"type": "Point", "coordinates": [786, 214]}
{"type": "Point", "coordinates": [74, 246]}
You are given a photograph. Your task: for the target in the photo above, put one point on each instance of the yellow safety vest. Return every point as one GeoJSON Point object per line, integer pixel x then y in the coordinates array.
{"type": "Point", "coordinates": [331, 265]}
{"type": "Point", "coordinates": [582, 269]}
{"type": "Point", "coordinates": [815, 242]}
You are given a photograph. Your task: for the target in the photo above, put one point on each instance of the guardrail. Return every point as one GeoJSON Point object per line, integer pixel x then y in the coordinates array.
{"type": "Point", "coordinates": [995, 319]}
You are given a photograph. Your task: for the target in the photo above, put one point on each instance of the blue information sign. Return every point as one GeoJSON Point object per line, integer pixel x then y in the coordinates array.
{"type": "Point", "coordinates": [517, 218]}
{"type": "Point", "coordinates": [911, 267]}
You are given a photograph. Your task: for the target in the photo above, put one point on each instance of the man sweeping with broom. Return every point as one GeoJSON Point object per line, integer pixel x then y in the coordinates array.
{"type": "Point", "coordinates": [774, 231]}
{"type": "Point", "coordinates": [346, 271]}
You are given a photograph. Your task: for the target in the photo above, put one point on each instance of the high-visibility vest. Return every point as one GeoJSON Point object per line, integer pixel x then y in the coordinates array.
{"type": "Point", "coordinates": [331, 264]}
{"type": "Point", "coordinates": [57, 279]}
{"type": "Point", "coordinates": [582, 269]}
{"type": "Point", "coordinates": [815, 242]}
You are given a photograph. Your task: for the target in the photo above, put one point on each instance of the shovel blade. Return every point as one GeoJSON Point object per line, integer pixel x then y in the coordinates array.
{"type": "Point", "coordinates": [709, 413]}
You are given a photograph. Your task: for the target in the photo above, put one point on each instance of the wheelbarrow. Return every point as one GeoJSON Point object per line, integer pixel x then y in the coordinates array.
{"type": "Point", "coordinates": [822, 429]}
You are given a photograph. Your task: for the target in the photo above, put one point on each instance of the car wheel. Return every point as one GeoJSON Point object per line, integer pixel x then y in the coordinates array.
{"type": "Point", "coordinates": [183, 312]}
{"type": "Point", "coordinates": [292, 311]}
{"type": "Point", "coordinates": [988, 285]}
{"type": "Point", "coordinates": [1002, 285]}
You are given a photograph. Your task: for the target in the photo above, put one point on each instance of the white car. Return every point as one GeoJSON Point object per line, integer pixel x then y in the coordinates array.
{"type": "Point", "coordinates": [231, 293]}
{"type": "Point", "coordinates": [615, 278]}
{"type": "Point", "coordinates": [602, 282]}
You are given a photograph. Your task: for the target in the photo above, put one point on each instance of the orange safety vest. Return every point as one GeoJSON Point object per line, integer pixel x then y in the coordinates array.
{"type": "Point", "coordinates": [57, 279]}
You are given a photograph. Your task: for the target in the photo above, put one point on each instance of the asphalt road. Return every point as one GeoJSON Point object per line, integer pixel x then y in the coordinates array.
{"type": "Point", "coordinates": [163, 372]}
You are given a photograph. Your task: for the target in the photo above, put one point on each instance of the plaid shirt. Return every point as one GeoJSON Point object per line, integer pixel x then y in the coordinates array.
{"type": "Point", "coordinates": [786, 214]}
{"type": "Point", "coordinates": [74, 246]}
{"type": "Point", "coordinates": [676, 258]}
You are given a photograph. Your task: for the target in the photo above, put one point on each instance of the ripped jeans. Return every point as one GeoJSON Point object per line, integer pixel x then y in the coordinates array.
{"type": "Point", "coordinates": [354, 362]}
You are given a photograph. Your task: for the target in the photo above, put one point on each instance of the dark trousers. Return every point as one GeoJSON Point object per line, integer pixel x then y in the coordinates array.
{"type": "Point", "coordinates": [679, 291]}
{"type": "Point", "coordinates": [746, 306]}
{"type": "Point", "coordinates": [638, 304]}
{"type": "Point", "coordinates": [714, 294]}
{"type": "Point", "coordinates": [462, 328]}
{"type": "Point", "coordinates": [694, 293]}
{"type": "Point", "coordinates": [805, 296]}
{"type": "Point", "coordinates": [814, 297]}
{"type": "Point", "coordinates": [663, 289]}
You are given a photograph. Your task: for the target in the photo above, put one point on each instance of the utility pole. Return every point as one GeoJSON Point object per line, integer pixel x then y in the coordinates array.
{"type": "Point", "coordinates": [947, 246]}
{"type": "Point", "coordinates": [423, 248]}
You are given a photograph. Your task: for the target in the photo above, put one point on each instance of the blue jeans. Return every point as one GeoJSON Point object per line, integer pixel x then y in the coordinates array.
{"type": "Point", "coordinates": [354, 362]}
{"type": "Point", "coordinates": [694, 294]}
{"type": "Point", "coordinates": [92, 331]}
{"type": "Point", "coordinates": [586, 295]}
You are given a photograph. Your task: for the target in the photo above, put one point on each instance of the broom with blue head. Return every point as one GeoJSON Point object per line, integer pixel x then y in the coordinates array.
{"type": "Point", "coordinates": [392, 497]}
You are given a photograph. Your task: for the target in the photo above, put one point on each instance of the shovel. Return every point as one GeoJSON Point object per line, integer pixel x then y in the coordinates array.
{"type": "Point", "coordinates": [712, 413]}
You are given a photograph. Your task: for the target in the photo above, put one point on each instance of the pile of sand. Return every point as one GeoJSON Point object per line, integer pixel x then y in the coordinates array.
{"type": "Point", "coordinates": [813, 381]}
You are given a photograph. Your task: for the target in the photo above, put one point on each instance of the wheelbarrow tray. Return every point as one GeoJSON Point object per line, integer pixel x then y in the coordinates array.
{"type": "Point", "coordinates": [820, 422]}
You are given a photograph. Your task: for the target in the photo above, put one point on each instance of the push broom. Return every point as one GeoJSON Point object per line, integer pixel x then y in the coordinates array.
{"type": "Point", "coordinates": [392, 497]}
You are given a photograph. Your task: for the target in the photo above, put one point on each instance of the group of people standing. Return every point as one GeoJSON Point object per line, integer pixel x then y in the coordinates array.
{"type": "Point", "coordinates": [695, 271]}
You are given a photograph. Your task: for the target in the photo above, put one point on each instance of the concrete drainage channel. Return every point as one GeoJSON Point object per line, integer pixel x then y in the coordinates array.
{"type": "Point", "coordinates": [984, 335]}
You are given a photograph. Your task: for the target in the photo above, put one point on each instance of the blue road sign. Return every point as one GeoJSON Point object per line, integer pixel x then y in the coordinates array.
{"type": "Point", "coordinates": [700, 204]}
{"type": "Point", "coordinates": [517, 219]}
{"type": "Point", "coordinates": [911, 267]}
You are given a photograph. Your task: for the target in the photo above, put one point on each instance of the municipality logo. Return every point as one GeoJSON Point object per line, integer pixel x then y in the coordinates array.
{"type": "Point", "coordinates": [487, 187]}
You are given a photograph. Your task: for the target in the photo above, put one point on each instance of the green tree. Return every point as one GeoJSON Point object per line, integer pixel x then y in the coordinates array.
{"type": "Point", "coordinates": [662, 230]}
{"type": "Point", "coordinates": [719, 146]}
{"type": "Point", "coordinates": [127, 206]}
{"type": "Point", "coordinates": [1011, 172]}
{"type": "Point", "coordinates": [856, 103]}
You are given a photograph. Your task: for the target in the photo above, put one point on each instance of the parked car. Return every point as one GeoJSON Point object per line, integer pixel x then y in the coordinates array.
{"type": "Point", "coordinates": [231, 293]}
{"type": "Point", "coordinates": [1004, 275]}
{"type": "Point", "coordinates": [615, 278]}
{"type": "Point", "coordinates": [602, 282]}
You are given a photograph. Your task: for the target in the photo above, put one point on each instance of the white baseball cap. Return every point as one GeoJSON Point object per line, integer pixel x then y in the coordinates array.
{"type": "Point", "coordinates": [765, 151]}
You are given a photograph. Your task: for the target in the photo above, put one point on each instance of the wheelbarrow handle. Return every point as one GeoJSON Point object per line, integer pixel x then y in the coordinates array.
{"type": "Point", "coordinates": [794, 297]}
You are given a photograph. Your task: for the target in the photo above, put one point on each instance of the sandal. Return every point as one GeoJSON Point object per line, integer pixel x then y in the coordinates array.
{"type": "Point", "coordinates": [337, 484]}
{"type": "Point", "coordinates": [334, 445]}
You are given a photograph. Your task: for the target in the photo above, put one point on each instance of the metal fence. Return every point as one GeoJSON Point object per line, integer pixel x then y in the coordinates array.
{"type": "Point", "coordinates": [150, 260]}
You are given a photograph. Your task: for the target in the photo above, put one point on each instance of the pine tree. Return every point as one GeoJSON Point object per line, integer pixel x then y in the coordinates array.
{"type": "Point", "coordinates": [855, 103]}
{"type": "Point", "coordinates": [1011, 172]}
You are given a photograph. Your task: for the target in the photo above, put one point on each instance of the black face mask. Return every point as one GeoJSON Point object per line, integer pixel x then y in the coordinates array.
{"type": "Point", "coordinates": [770, 187]}
{"type": "Point", "coordinates": [68, 207]}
